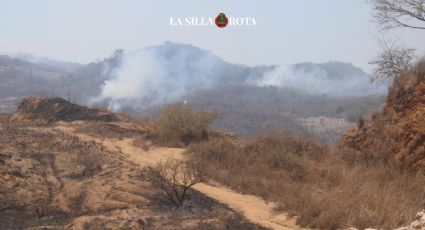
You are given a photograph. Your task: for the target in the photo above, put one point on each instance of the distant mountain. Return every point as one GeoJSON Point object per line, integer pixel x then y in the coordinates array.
{"type": "Point", "coordinates": [335, 79]}
{"type": "Point", "coordinates": [250, 99]}
{"type": "Point", "coordinates": [166, 73]}
{"type": "Point", "coordinates": [334, 70]}
{"type": "Point", "coordinates": [28, 75]}
{"type": "Point", "coordinates": [21, 78]}
{"type": "Point", "coordinates": [63, 65]}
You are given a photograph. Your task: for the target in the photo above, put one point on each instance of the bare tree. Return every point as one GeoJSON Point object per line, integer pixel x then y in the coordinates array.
{"type": "Point", "coordinates": [400, 13]}
{"type": "Point", "coordinates": [174, 178]}
{"type": "Point", "coordinates": [392, 61]}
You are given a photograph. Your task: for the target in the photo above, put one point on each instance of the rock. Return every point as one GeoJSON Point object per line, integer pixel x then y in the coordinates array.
{"type": "Point", "coordinates": [419, 223]}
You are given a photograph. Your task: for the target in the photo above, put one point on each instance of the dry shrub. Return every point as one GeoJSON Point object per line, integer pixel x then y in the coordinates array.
{"type": "Point", "coordinates": [419, 69]}
{"type": "Point", "coordinates": [174, 178]}
{"type": "Point", "coordinates": [378, 197]}
{"type": "Point", "coordinates": [179, 125]}
{"type": "Point", "coordinates": [313, 182]}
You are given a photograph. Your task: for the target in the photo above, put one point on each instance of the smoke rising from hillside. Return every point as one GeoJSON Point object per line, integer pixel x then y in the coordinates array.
{"type": "Point", "coordinates": [164, 74]}
{"type": "Point", "coordinates": [158, 75]}
{"type": "Point", "coordinates": [316, 80]}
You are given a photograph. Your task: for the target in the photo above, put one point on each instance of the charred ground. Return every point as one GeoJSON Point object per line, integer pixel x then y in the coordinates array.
{"type": "Point", "coordinates": [53, 179]}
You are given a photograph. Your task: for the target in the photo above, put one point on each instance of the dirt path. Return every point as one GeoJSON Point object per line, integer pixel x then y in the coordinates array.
{"type": "Point", "coordinates": [252, 207]}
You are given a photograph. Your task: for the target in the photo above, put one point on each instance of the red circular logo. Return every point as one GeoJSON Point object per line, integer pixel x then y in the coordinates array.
{"type": "Point", "coordinates": [221, 20]}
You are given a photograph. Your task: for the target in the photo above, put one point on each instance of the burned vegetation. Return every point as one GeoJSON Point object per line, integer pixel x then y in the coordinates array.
{"type": "Point", "coordinates": [56, 173]}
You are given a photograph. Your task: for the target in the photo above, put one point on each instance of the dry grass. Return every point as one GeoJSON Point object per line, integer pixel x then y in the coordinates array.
{"type": "Point", "coordinates": [52, 179]}
{"type": "Point", "coordinates": [313, 182]}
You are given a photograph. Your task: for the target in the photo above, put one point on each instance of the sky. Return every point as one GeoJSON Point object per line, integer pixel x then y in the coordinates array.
{"type": "Point", "coordinates": [287, 31]}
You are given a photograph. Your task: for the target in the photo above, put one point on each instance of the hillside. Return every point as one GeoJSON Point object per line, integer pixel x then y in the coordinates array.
{"type": "Point", "coordinates": [63, 168]}
{"type": "Point", "coordinates": [167, 73]}
{"type": "Point", "coordinates": [397, 133]}
{"type": "Point", "coordinates": [20, 78]}
{"type": "Point", "coordinates": [25, 75]}
{"type": "Point", "coordinates": [175, 67]}
{"type": "Point", "coordinates": [249, 110]}
{"type": "Point", "coordinates": [38, 60]}
{"type": "Point", "coordinates": [250, 100]}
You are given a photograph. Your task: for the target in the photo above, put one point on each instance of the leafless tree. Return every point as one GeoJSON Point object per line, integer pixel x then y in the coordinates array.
{"type": "Point", "coordinates": [392, 61]}
{"type": "Point", "coordinates": [174, 178]}
{"type": "Point", "coordinates": [399, 13]}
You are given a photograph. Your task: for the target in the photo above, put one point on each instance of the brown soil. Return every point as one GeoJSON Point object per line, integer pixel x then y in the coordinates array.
{"type": "Point", "coordinates": [397, 133]}
{"type": "Point", "coordinates": [64, 166]}
{"type": "Point", "coordinates": [251, 207]}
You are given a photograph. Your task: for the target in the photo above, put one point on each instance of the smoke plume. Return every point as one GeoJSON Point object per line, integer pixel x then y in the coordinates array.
{"type": "Point", "coordinates": [163, 74]}
{"type": "Point", "coordinates": [318, 80]}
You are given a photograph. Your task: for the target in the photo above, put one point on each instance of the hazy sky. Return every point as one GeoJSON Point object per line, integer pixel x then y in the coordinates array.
{"type": "Point", "coordinates": [286, 32]}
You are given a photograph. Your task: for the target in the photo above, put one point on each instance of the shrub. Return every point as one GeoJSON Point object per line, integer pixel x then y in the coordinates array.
{"type": "Point", "coordinates": [179, 125]}
{"type": "Point", "coordinates": [174, 178]}
{"type": "Point", "coordinates": [314, 182]}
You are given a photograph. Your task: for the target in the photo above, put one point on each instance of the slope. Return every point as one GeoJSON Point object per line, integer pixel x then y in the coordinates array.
{"type": "Point", "coordinates": [397, 133]}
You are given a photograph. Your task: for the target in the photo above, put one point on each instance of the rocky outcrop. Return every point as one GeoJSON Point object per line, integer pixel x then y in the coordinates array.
{"type": "Point", "coordinates": [397, 133]}
{"type": "Point", "coordinates": [42, 109]}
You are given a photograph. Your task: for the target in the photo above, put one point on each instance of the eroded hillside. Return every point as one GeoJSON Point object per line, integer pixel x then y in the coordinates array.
{"type": "Point", "coordinates": [397, 133]}
{"type": "Point", "coordinates": [63, 174]}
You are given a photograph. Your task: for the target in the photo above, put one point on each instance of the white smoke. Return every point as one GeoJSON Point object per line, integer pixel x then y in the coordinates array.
{"type": "Point", "coordinates": [163, 74]}
{"type": "Point", "coordinates": [285, 76]}
{"type": "Point", "coordinates": [317, 81]}
{"type": "Point", "coordinates": [157, 75]}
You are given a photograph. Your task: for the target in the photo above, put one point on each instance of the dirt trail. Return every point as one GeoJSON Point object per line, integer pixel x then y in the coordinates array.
{"type": "Point", "coordinates": [252, 207]}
